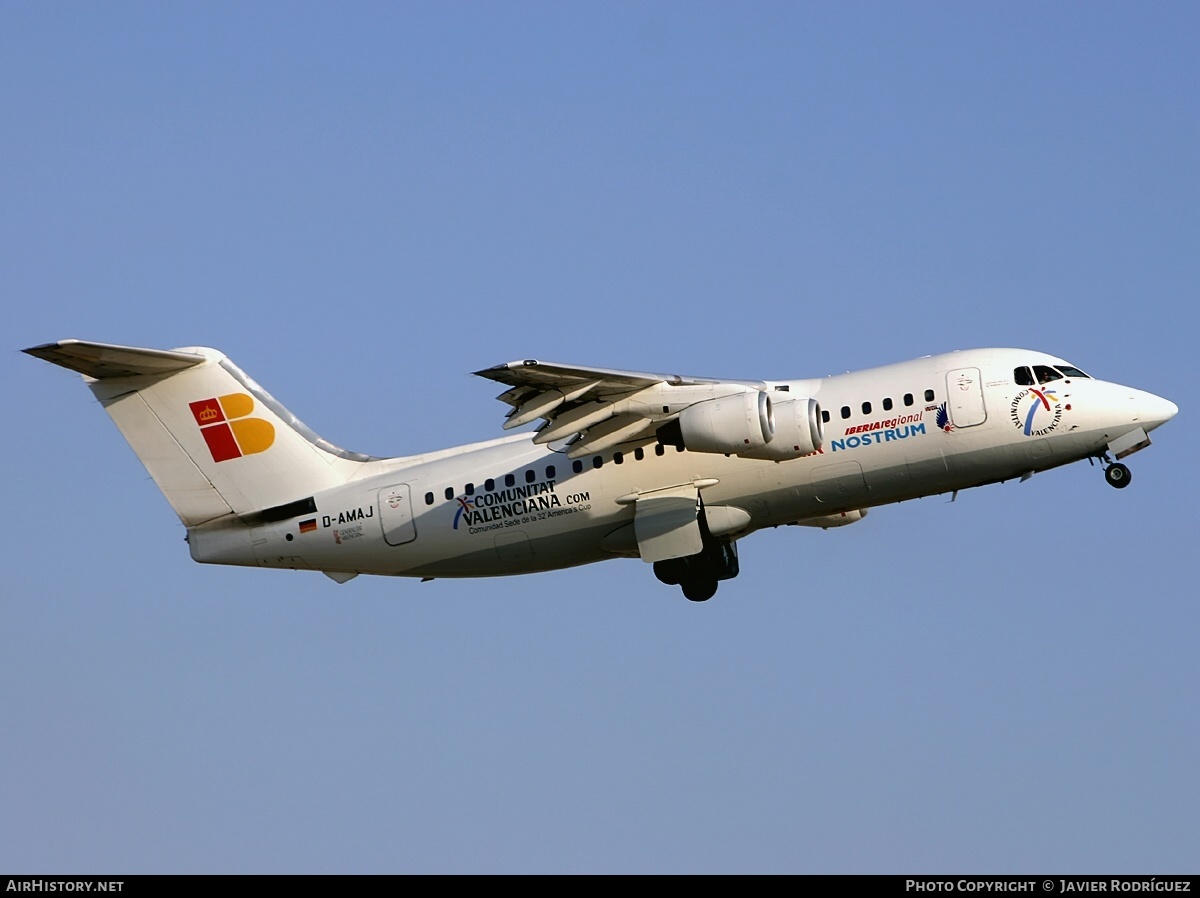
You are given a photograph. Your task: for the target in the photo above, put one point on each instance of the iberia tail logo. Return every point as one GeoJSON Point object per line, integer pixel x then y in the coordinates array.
{"type": "Point", "coordinates": [228, 430]}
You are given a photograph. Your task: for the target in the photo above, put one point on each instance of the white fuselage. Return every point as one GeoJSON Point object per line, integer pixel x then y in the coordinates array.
{"type": "Point", "coordinates": [508, 506]}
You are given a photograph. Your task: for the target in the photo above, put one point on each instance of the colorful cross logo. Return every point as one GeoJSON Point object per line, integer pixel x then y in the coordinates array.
{"type": "Point", "coordinates": [464, 504]}
{"type": "Point", "coordinates": [1044, 398]}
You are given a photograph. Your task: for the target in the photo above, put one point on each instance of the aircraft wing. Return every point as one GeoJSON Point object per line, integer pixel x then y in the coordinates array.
{"type": "Point", "coordinates": [600, 407]}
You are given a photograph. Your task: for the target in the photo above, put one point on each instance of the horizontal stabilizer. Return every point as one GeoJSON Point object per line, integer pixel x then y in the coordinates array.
{"type": "Point", "coordinates": [102, 360]}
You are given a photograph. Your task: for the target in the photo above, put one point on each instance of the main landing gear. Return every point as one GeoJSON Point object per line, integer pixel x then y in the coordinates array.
{"type": "Point", "coordinates": [697, 575]}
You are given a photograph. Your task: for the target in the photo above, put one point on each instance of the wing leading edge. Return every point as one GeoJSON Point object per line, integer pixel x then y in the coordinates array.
{"type": "Point", "coordinates": [600, 407]}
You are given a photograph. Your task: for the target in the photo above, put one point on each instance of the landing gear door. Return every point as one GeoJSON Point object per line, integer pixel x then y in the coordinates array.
{"type": "Point", "coordinates": [667, 523]}
{"type": "Point", "coordinates": [964, 391]}
{"type": "Point", "coordinates": [395, 514]}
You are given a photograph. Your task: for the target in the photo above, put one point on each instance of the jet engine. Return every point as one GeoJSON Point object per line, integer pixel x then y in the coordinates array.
{"type": "Point", "coordinates": [798, 430]}
{"type": "Point", "coordinates": [748, 424]}
{"type": "Point", "coordinates": [731, 425]}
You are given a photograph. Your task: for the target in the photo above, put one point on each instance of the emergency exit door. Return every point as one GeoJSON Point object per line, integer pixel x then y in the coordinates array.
{"type": "Point", "coordinates": [395, 514]}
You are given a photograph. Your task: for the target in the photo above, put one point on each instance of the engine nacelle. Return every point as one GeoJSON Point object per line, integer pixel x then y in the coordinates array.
{"type": "Point", "coordinates": [731, 425]}
{"type": "Point", "coordinates": [798, 430]}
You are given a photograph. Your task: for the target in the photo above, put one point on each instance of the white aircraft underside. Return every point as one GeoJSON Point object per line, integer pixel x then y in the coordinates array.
{"type": "Point", "coordinates": [667, 468]}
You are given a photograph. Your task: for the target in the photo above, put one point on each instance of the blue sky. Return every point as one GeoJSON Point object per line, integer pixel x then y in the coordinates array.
{"type": "Point", "coordinates": [363, 203]}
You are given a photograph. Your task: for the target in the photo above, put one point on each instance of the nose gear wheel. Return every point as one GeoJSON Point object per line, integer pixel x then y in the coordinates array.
{"type": "Point", "coordinates": [1117, 475]}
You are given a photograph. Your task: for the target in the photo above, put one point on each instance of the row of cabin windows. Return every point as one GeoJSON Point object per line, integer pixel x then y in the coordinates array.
{"type": "Point", "coordinates": [489, 485]}
{"type": "Point", "coordinates": [909, 399]}
{"type": "Point", "coordinates": [619, 457]}
{"type": "Point", "coordinates": [530, 475]}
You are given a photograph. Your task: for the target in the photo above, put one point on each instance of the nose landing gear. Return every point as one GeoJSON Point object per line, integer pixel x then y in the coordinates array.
{"type": "Point", "coordinates": [1117, 475]}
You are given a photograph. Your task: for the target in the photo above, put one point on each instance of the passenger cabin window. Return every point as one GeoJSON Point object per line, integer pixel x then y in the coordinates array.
{"type": "Point", "coordinates": [1045, 374]}
{"type": "Point", "coordinates": [866, 407]}
{"type": "Point", "coordinates": [618, 458]}
{"type": "Point", "coordinates": [659, 449]}
{"type": "Point", "coordinates": [639, 453]}
{"type": "Point", "coordinates": [509, 479]}
{"type": "Point", "coordinates": [845, 411]}
{"type": "Point", "coordinates": [1023, 377]}
{"type": "Point", "coordinates": [577, 466]}
{"type": "Point", "coordinates": [470, 489]}
{"type": "Point", "coordinates": [597, 461]}
{"type": "Point", "coordinates": [825, 415]}
{"type": "Point", "coordinates": [549, 472]}
{"type": "Point", "coordinates": [887, 404]}
{"type": "Point", "coordinates": [449, 492]}
{"type": "Point", "coordinates": [429, 498]}
{"type": "Point", "coordinates": [530, 476]}
{"type": "Point", "coordinates": [908, 399]}
{"type": "Point", "coordinates": [489, 484]}
{"type": "Point", "coordinates": [929, 395]}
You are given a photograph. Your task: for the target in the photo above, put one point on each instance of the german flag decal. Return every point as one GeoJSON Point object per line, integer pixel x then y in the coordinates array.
{"type": "Point", "coordinates": [227, 428]}
{"type": "Point", "coordinates": [308, 526]}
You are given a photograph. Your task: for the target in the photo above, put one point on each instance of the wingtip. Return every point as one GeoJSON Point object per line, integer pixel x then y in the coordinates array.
{"type": "Point", "coordinates": [43, 347]}
{"type": "Point", "coordinates": [501, 368]}
{"type": "Point", "coordinates": [46, 351]}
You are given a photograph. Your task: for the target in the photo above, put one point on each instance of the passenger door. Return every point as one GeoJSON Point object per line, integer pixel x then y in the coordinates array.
{"type": "Point", "coordinates": [964, 397]}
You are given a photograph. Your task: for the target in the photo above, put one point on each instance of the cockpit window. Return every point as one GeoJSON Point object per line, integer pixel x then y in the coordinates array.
{"type": "Point", "coordinates": [1045, 374]}
{"type": "Point", "coordinates": [1023, 377]}
{"type": "Point", "coordinates": [1071, 371]}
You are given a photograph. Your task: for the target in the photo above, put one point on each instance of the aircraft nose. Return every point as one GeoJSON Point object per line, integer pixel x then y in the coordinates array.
{"type": "Point", "coordinates": [1154, 410]}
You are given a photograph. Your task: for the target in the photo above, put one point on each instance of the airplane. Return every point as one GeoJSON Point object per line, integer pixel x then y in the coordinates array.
{"type": "Point", "coordinates": [666, 468]}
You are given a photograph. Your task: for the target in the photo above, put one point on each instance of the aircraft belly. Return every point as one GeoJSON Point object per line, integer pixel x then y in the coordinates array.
{"type": "Point", "coordinates": [925, 470]}
{"type": "Point", "coordinates": [519, 554]}
{"type": "Point", "coordinates": [839, 484]}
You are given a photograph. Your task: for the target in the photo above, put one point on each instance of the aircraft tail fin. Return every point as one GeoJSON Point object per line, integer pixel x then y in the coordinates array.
{"type": "Point", "coordinates": [214, 441]}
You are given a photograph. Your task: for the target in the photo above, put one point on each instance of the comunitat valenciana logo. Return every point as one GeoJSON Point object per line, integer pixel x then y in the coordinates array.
{"type": "Point", "coordinates": [227, 428]}
{"type": "Point", "coordinates": [1036, 412]}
